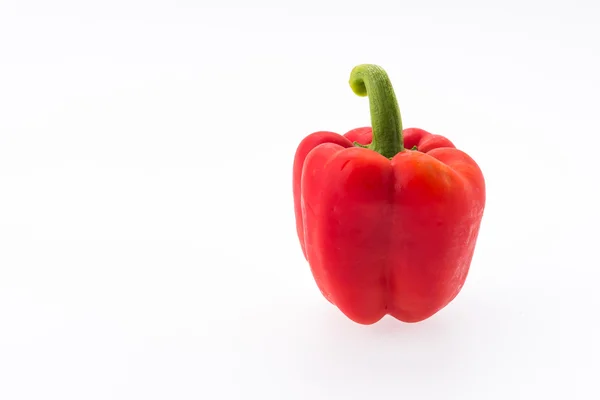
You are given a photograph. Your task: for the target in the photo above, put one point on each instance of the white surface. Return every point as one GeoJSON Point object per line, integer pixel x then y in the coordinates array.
{"type": "Point", "coordinates": [147, 239]}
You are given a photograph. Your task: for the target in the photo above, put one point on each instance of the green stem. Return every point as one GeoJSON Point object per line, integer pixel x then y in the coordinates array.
{"type": "Point", "coordinates": [372, 80]}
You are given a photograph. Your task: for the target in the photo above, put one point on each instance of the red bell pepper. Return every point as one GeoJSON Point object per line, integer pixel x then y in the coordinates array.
{"type": "Point", "coordinates": [387, 218]}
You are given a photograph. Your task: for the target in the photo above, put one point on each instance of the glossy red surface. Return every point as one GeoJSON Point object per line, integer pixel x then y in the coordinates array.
{"type": "Point", "coordinates": [387, 236]}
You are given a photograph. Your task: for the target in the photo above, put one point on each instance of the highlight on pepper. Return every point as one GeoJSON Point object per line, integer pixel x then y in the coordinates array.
{"type": "Point", "coordinates": [387, 217]}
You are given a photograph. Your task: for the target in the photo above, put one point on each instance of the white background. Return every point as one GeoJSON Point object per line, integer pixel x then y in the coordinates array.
{"type": "Point", "coordinates": [147, 239]}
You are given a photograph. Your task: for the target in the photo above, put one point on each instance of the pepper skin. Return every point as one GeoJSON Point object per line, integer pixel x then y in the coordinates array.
{"type": "Point", "coordinates": [387, 218]}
